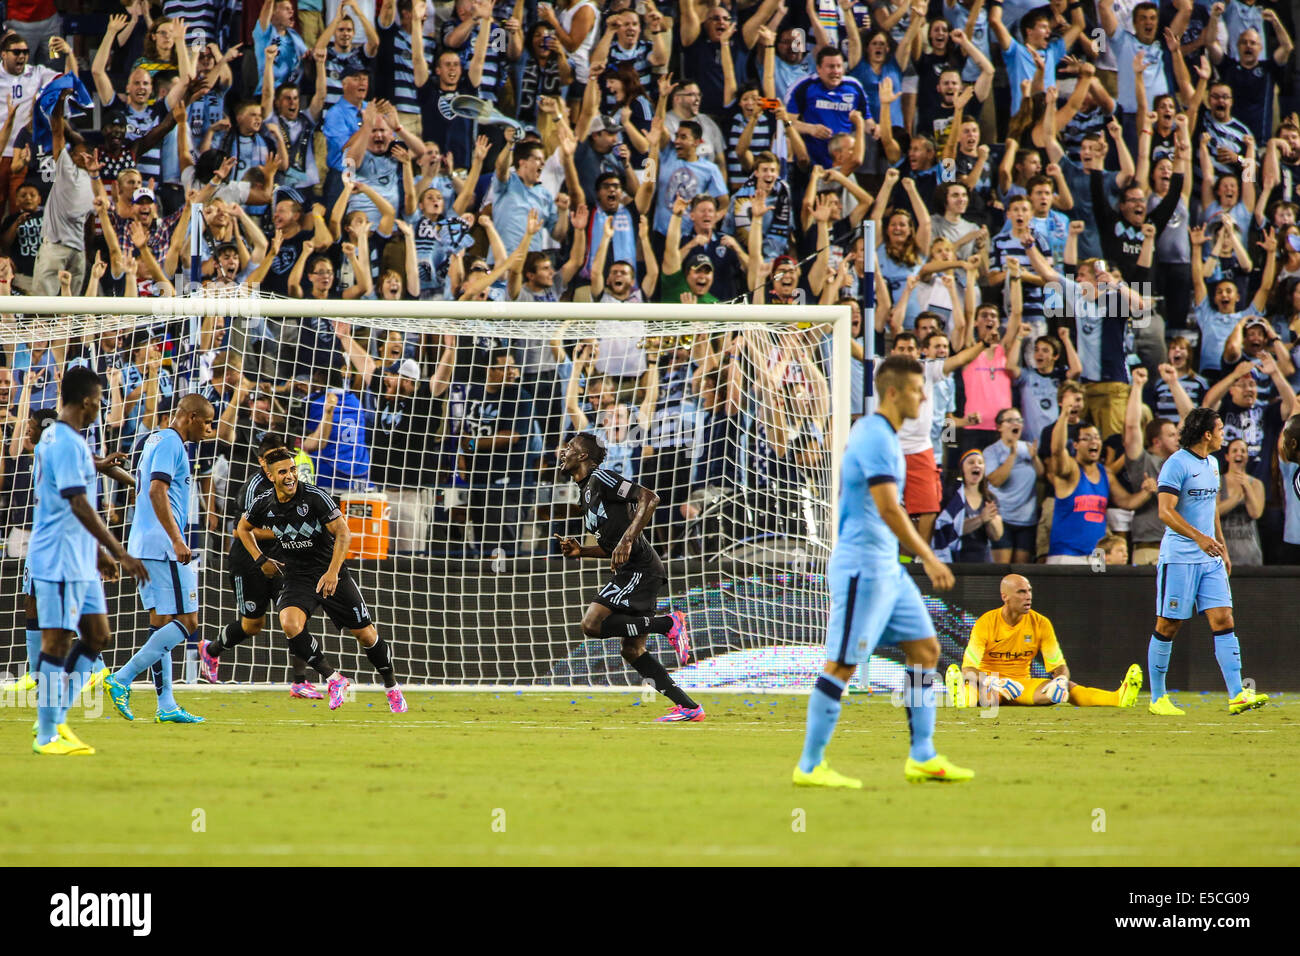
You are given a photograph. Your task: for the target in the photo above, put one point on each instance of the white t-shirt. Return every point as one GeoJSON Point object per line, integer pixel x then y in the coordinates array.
{"type": "Point", "coordinates": [622, 344]}
{"type": "Point", "coordinates": [580, 59]}
{"type": "Point", "coordinates": [23, 88]}
{"type": "Point", "coordinates": [914, 434]}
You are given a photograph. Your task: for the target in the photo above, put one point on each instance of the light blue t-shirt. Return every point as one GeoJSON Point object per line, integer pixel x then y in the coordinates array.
{"type": "Point", "coordinates": [384, 176]}
{"type": "Point", "coordinates": [1196, 483]}
{"type": "Point", "coordinates": [1020, 66]}
{"type": "Point", "coordinates": [510, 213]}
{"type": "Point", "coordinates": [1291, 484]}
{"type": "Point", "coordinates": [1215, 328]}
{"type": "Point", "coordinates": [1125, 45]}
{"type": "Point", "coordinates": [1017, 502]}
{"type": "Point", "coordinates": [865, 544]}
{"type": "Point", "coordinates": [677, 177]}
{"type": "Point", "coordinates": [61, 549]}
{"type": "Point", "coordinates": [163, 458]}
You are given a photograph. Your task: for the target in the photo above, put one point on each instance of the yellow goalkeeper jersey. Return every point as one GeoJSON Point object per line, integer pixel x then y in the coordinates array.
{"type": "Point", "coordinates": [996, 646]}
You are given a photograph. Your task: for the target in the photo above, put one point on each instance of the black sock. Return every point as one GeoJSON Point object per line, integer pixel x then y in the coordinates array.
{"type": "Point", "coordinates": [76, 651]}
{"type": "Point", "coordinates": [310, 650]}
{"type": "Point", "coordinates": [382, 660]}
{"type": "Point", "coordinates": [299, 669]}
{"type": "Point", "coordinates": [661, 625]}
{"type": "Point", "coordinates": [155, 671]}
{"type": "Point", "coordinates": [649, 667]}
{"type": "Point", "coordinates": [232, 636]}
{"type": "Point", "coordinates": [626, 625]}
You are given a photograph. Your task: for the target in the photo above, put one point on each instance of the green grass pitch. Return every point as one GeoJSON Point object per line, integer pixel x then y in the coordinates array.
{"type": "Point", "coordinates": [551, 778]}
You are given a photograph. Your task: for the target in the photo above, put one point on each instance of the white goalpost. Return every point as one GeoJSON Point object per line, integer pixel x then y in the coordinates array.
{"type": "Point", "coordinates": [435, 427]}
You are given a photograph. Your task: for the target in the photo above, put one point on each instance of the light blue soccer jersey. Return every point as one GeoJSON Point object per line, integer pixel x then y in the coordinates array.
{"type": "Point", "coordinates": [1196, 483]}
{"type": "Point", "coordinates": [163, 458]}
{"type": "Point", "coordinates": [865, 544]}
{"type": "Point", "coordinates": [61, 549]}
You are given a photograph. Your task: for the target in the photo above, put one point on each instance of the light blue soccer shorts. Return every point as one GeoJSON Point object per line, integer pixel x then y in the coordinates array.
{"type": "Point", "coordinates": [62, 604]}
{"type": "Point", "coordinates": [172, 588]}
{"type": "Point", "coordinates": [1186, 589]}
{"type": "Point", "coordinates": [867, 610]}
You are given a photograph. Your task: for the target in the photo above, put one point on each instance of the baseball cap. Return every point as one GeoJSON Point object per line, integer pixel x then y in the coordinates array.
{"type": "Point", "coordinates": [786, 260]}
{"type": "Point", "coordinates": [700, 260]}
{"type": "Point", "coordinates": [1258, 320]}
{"type": "Point", "coordinates": [143, 194]}
{"type": "Point", "coordinates": [406, 368]}
{"type": "Point", "coordinates": [354, 70]}
{"type": "Point", "coordinates": [113, 118]}
{"type": "Point", "coordinates": [602, 125]}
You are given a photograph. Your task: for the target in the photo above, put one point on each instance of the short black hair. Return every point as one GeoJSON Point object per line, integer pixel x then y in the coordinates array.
{"type": "Point", "coordinates": [694, 128]}
{"type": "Point", "coordinates": [826, 52]}
{"type": "Point", "coordinates": [592, 445]}
{"type": "Point", "coordinates": [78, 385]}
{"type": "Point", "coordinates": [525, 149]}
{"type": "Point", "coordinates": [1030, 20]}
{"type": "Point", "coordinates": [1198, 422]}
{"type": "Point", "coordinates": [277, 455]}
{"type": "Point", "coordinates": [43, 417]}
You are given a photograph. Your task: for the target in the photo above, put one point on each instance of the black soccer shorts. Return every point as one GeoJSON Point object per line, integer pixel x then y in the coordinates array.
{"type": "Point", "coordinates": [254, 591]}
{"type": "Point", "coordinates": [635, 592]}
{"type": "Point", "coordinates": [345, 607]}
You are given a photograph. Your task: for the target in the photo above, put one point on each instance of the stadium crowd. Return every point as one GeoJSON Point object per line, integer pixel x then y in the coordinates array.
{"type": "Point", "coordinates": [1085, 215]}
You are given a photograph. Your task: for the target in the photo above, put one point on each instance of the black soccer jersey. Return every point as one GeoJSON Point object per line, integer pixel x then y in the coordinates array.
{"type": "Point", "coordinates": [609, 502]}
{"type": "Point", "coordinates": [254, 488]}
{"type": "Point", "coordinates": [299, 526]}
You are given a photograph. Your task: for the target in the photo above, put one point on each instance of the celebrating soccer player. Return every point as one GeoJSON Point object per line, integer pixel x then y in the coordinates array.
{"type": "Point", "coordinates": [1192, 573]}
{"type": "Point", "coordinates": [254, 591]}
{"type": "Point", "coordinates": [1003, 644]}
{"type": "Point", "coordinates": [171, 594]}
{"type": "Point", "coordinates": [314, 539]}
{"type": "Point", "coordinates": [617, 511]}
{"type": "Point", "coordinates": [64, 563]}
{"type": "Point", "coordinates": [873, 598]}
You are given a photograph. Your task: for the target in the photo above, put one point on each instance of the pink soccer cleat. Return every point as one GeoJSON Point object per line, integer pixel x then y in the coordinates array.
{"type": "Point", "coordinates": [305, 690]}
{"type": "Point", "coordinates": [396, 702]}
{"type": "Point", "coordinates": [208, 663]}
{"type": "Point", "coordinates": [338, 686]}
{"type": "Point", "coordinates": [680, 714]}
{"type": "Point", "coordinates": [678, 639]}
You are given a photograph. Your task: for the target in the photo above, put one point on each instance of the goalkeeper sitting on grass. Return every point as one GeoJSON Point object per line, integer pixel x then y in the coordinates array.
{"type": "Point", "coordinates": [1005, 641]}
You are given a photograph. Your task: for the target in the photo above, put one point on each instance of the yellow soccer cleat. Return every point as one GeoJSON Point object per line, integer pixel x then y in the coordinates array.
{"type": "Point", "coordinates": [65, 733]}
{"type": "Point", "coordinates": [955, 684]}
{"type": "Point", "coordinates": [1246, 700]}
{"type": "Point", "coordinates": [22, 685]}
{"type": "Point", "coordinates": [823, 776]}
{"type": "Point", "coordinates": [938, 768]}
{"type": "Point", "coordinates": [93, 680]}
{"type": "Point", "coordinates": [1128, 691]}
{"type": "Point", "coordinates": [1164, 707]}
{"type": "Point", "coordinates": [58, 747]}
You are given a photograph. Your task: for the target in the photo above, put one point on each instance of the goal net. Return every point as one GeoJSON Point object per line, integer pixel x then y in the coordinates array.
{"type": "Point", "coordinates": [435, 427]}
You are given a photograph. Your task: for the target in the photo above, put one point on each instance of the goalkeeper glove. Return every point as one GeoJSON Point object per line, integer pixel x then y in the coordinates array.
{"type": "Point", "coordinates": [1007, 688]}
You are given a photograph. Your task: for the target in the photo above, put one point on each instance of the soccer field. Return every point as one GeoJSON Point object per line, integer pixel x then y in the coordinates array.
{"type": "Point", "coordinates": [553, 778]}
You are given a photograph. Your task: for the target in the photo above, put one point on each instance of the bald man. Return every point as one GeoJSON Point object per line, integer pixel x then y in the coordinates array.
{"type": "Point", "coordinates": [1002, 646]}
{"type": "Point", "coordinates": [171, 595]}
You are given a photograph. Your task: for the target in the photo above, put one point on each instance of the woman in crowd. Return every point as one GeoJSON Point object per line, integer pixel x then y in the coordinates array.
{"type": "Point", "coordinates": [1016, 470]}
{"type": "Point", "coordinates": [970, 521]}
{"type": "Point", "coordinates": [1241, 503]}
